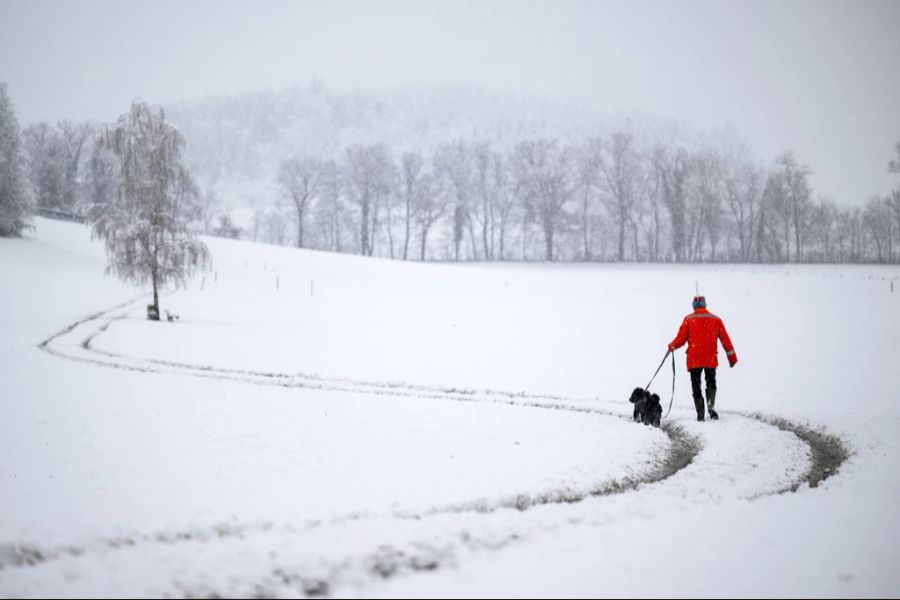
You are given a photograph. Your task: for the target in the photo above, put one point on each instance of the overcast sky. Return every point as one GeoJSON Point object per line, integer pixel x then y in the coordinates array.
{"type": "Point", "coordinates": [820, 77]}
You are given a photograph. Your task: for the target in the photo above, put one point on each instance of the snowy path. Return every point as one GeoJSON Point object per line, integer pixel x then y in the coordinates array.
{"type": "Point", "coordinates": [742, 457]}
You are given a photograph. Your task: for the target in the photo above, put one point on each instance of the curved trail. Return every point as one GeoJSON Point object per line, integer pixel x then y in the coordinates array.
{"type": "Point", "coordinates": [448, 529]}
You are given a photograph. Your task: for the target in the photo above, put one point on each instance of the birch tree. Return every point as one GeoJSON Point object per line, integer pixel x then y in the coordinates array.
{"type": "Point", "coordinates": [143, 216]}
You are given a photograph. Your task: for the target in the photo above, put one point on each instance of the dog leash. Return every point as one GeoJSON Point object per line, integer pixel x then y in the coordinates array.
{"type": "Point", "coordinates": [672, 399]}
{"type": "Point", "coordinates": [665, 356]}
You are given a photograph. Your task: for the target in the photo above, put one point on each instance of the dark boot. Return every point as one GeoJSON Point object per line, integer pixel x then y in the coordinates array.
{"type": "Point", "coordinates": [711, 403]}
{"type": "Point", "coordinates": [698, 404]}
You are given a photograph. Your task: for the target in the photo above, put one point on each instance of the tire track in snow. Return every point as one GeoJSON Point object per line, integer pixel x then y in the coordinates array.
{"type": "Point", "coordinates": [19, 555]}
{"type": "Point", "coordinates": [827, 450]}
{"type": "Point", "coordinates": [683, 448]}
{"type": "Point", "coordinates": [828, 453]}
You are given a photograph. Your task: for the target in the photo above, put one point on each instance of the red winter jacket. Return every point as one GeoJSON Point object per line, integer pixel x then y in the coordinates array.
{"type": "Point", "coordinates": [702, 330]}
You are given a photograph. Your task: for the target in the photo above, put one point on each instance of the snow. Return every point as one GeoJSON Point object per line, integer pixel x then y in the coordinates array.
{"type": "Point", "coordinates": [316, 423]}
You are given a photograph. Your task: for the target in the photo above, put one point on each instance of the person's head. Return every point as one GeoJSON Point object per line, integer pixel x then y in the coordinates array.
{"type": "Point", "coordinates": [699, 302]}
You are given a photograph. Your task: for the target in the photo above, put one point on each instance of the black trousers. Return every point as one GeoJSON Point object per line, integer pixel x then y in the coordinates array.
{"type": "Point", "coordinates": [695, 380]}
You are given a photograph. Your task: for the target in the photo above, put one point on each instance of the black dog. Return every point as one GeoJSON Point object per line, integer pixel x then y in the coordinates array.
{"type": "Point", "coordinates": [647, 408]}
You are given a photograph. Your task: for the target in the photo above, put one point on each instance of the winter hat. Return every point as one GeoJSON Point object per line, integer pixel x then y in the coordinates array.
{"type": "Point", "coordinates": [699, 302]}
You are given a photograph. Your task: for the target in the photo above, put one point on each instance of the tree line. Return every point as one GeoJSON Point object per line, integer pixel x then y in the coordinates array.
{"type": "Point", "coordinates": [609, 197]}
{"type": "Point", "coordinates": [600, 199]}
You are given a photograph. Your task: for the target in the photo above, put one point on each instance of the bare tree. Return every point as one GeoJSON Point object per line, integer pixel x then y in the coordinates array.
{"type": "Point", "coordinates": [332, 204]}
{"type": "Point", "coordinates": [789, 198]}
{"type": "Point", "coordinates": [388, 197]}
{"type": "Point", "coordinates": [273, 225]}
{"type": "Point", "coordinates": [368, 173]}
{"type": "Point", "coordinates": [208, 206]}
{"type": "Point", "coordinates": [143, 217]}
{"type": "Point", "coordinates": [674, 171]}
{"type": "Point", "coordinates": [54, 161]}
{"type": "Point", "coordinates": [46, 155]}
{"type": "Point", "coordinates": [301, 177]}
{"type": "Point", "coordinates": [770, 228]}
{"type": "Point", "coordinates": [646, 216]}
{"type": "Point", "coordinates": [544, 173]}
{"type": "Point", "coordinates": [226, 228]}
{"type": "Point", "coordinates": [102, 173]}
{"type": "Point", "coordinates": [892, 203]}
{"type": "Point", "coordinates": [453, 167]}
{"type": "Point", "coordinates": [586, 187]}
{"type": "Point", "coordinates": [490, 179]}
{"type": "Point", "coordinates": [412, 174]}
{"type": "Point", "coordinates": [878, 223]}
{"type": "Point", "coordinates": [854, 224]}
{"type": "Point", "coordinates": [619, 172]}
{"type": "Point", "coordinates": [360, 178]}
{"type": "Point", "coordinates": [823, 218]}
{"type": "Point", "coordinates": [504, 203]}
{"type": "Point", "coordinates": [709, 203]}
{"type": "Point", "coordinates": [743, 188]}
{"type": "Point", "coordinates": [431, 206]}
{"type": "Point", "coordinates": [75, 138]}
{"type": "Point", "coordinates": [800, 194]}
{"type": "Point", "coordinates": [652, 189]}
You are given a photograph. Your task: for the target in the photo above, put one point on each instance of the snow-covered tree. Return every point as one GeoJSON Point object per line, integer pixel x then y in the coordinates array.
{"type": "Point", "coordinates": [788, 194]}
{"type": "Point", "coordinates": [619, 173]}
{"type": "Point", "coordinates": [54, 157]}
{"type": "Point", "coordinates": [227, 229]}
{"type": "Point", "coordinates": [743, 183]}
{"type": "Point", "coordinates": [209, 204]}
{"type": "Point", "coordinates": [876, 218]}
{"type": "Point", "coordinates": [143, 216]}
{"type": "Point", "coordinates": [15, 204]}
{"type": "Point", "coordinates": [544, 176]}
{"type": "Point", "coordinates": [453, 169]}
{"type": "Point", "coordinates": [823, 222]}
{"type": "Point", "coordinates": [370, 174]}
{"type": "Point", "coordinates": [75, 138]}
{"type": "Point", "coordinates": [490, 183]}
{"type": "Point", "coordinates": [332, 213]}
{"type": "Point", "coordinates": [709, 192]}
{"type": "Point", "coordinates": [431, 204]}
{"type": "Point", "coordinates": [411, 176]}
{"type": "Point", "coordinates": [46, 164]}
{"type": "Point", "coordinates": [674, 168]}
{"type": "Point", "coordinates": [302, 178]}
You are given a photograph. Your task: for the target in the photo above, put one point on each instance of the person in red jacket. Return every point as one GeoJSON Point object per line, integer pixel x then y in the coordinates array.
{"type": "Point", "coordinates": [702, 330]}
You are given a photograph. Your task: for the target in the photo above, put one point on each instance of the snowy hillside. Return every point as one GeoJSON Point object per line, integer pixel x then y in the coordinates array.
{"type": "Point", "coordinates": [236, 143]}
{"type": "Point", "coordinates": [247, 135]}
{"type": "Point", "coordinates": [320, 424]}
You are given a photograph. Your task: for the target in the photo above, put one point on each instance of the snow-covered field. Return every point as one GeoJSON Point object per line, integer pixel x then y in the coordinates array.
{"type": "Point", "coordinates": [316, 424]}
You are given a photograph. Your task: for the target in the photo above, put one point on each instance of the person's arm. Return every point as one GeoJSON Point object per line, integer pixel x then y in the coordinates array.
{"type": "Point", "coordinates": [681, 338]}
{"type": "Point", "coordinates": [726, 343]}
